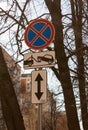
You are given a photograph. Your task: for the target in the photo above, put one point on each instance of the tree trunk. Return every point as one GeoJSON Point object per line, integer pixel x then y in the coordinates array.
{"type": "Point", "coordinates": [77, 27]}
{"type": "Point", "coordinates": [10, 107]}
{"type": "Point", "coordinates": [64, 74]}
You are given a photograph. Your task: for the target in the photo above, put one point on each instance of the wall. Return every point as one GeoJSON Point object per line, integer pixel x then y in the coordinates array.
{"type": "Point", "coordinates": [15, 72]}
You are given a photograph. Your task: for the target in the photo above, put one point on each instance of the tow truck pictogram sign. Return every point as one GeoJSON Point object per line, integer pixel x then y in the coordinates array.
{"type": "Point", "coordinates": [40, 59]}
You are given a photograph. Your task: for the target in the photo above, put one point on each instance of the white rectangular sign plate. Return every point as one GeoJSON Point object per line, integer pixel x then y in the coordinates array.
{"type": "Point", "coordinates": [39, 60]}
{"type": "Point", "coordinates": [39, 86]}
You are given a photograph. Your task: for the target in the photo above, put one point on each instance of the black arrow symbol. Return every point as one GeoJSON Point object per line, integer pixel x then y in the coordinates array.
{"type": "Point", "coordinates": [39, 93]}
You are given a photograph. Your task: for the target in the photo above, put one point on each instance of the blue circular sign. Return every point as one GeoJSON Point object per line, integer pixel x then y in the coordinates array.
{"type": "Point", "coordinates": [39, 34]}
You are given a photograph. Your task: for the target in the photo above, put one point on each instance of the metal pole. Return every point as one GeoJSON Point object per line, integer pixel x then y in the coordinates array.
{"type": "Point", "coordinates": [39, 116]}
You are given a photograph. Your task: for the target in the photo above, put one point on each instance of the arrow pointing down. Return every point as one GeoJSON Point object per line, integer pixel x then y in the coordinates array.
{"type": "Point", "coordinates": [39, 93]}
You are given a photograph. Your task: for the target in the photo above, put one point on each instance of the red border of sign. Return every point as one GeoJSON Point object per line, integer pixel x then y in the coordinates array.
{"type": "Point", "coordinates": [48, 42]}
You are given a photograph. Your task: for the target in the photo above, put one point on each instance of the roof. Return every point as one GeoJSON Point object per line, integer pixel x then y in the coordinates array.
{"type": "Point", "coordinates": [25, 75]}
{"type": "Point", "coordinates": [8, 57]}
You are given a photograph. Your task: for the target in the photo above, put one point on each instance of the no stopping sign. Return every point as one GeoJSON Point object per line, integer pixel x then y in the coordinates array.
{"type": "Point", "coordinates": [39, 34]}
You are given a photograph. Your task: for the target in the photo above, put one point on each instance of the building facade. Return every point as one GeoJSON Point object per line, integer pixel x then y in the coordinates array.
{"type": "Point", "coordinates": [14, 70]}
{"type": "Point", "coordinates": [25, 83]}
{"type": "Point", "coordinates": [15, 73]}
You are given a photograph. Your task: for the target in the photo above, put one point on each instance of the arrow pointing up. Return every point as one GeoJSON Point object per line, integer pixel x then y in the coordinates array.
{"type": "Point", "coordinates": [38, 80]}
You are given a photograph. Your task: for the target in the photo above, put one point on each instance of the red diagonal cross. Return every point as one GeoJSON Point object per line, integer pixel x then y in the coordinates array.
{"type": "Point", "coordinates": [39, 34]}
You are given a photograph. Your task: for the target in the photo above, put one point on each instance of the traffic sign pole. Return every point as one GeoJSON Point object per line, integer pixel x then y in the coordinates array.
{"type": "Point", "coordinates": [38, 35]}
{"type": "Point", "coordinates": [39, 116]}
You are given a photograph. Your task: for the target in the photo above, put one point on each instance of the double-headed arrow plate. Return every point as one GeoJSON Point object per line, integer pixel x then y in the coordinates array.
{"type": "Point", "coordinates": [39, 86]}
